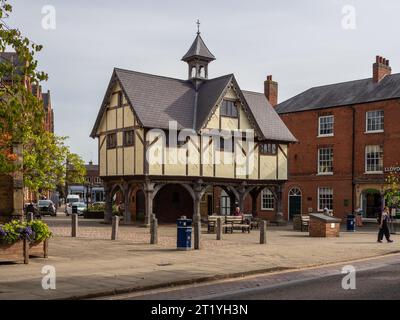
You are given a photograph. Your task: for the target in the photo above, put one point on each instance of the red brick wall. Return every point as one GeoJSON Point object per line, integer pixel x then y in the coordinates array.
{"type": "Point", "coordinates": [303, 156]}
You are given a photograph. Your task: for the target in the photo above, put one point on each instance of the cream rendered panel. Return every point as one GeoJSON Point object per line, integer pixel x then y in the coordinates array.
{"type": "Point", "coordinates": [208, 160]}
{"type": "Point", "coordinates": [103, 124]}
{"type": "Point", "coordinates": [253, 171]}
{"type": "Point", "coordinates": [120, 122]}
{"type": "Point", "coordinates": [175, 161]}
{"type": "Point", "coordinates": [111, 120]}
{"type": "Point", "coordinates": [230, 94]}
{"type": "Point", "coordinates": [225, 166]}
{"type": "Point", "coordinates": [114, 97]}
{"type": "Point", "coordinates": [102, 155]}
{"type": "Point", "coordinates": [268, 167]}
{"type": "Point", "coordinates": [129, 159]}
{"type": "Point", "coordinates": [155, 153]}
{"type": "Point", "coordinates": [282, 163]}
{"type": "Point", "coordinates": [214, 121]}
{"type": "Point", "coordinates": [244, 121]}
{"type": "Point", "coordinates": [129, 118]}
{"type": "Point", "coordinates": [111, 163]}
{"type": "Point", "coordinates": [241, 159]}
{"type": "Point", "coordinates": [229, 123]}
{"type": "Point", "coordinates": [193, 158]}
{"type": "Point", "coordinates": [139, 150]}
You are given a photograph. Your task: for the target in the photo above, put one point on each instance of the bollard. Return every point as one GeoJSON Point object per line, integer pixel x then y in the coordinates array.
{"type": "Point", "coordinates": [263, 232]}
{"type": "Point", "coordinates": [153, 230]}
{"type": "Point", "coordinates": [115, 226]}
{"type": "Point", "coordinates": [219, 228]}
{"type": "Point", "coordinates": [74, 226]}
{"type": "Point", "coordinates": [29, 217]}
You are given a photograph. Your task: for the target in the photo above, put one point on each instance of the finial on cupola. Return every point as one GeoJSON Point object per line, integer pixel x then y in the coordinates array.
{"type": "Point", "coordinates": [198, 57]}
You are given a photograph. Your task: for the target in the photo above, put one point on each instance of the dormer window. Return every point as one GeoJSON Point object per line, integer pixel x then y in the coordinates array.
{"type": "Point", "coordinates": [229, 109]}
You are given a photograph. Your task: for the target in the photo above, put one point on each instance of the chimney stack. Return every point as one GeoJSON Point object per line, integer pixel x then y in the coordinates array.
{"type": "Point", "coordinates": [271, 90]}
{"type": "Point", "coordinates": [380, 68]}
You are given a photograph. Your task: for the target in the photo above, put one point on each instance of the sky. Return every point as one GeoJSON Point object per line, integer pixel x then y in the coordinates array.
{"type": "Point", "coordinates": [301, 43]}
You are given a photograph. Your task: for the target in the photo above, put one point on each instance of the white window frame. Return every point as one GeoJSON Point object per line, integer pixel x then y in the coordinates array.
{"type": "Point", "coordinates": [267, 192]}
{"type": "Point", "coordinates": [319, 162]}
{"type": "Point", "coordinates": [366, 122]}
{"type": "Point", "coordinates": [318, 198]}
{"type": "Point", "coordinates": [366, 160]}
{"type": "Point", "coordinates": [319, 126]}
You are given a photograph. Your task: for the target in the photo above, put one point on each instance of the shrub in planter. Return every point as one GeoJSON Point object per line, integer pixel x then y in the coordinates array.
{"type": "Point", "coordinates": [17, 238]}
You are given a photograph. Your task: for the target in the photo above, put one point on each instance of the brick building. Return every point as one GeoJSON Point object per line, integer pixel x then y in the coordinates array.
{"type": "Point", "coordinates": [349, 136]}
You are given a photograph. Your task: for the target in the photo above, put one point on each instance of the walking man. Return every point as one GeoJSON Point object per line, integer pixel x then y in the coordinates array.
{"type": "Point", "coordinates": [383, 225]}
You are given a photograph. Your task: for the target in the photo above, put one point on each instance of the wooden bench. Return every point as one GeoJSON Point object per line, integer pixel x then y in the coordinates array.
{"type": "Point", "coordinates": [212, 223]}
{"type": "Point", "coordinates": [305, 223]}
{"type": "Point", "coordinates": [236, 223]}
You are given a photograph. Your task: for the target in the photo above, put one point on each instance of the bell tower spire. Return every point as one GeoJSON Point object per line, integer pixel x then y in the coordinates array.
{"type": "Point", "coordinates": [198, 57]}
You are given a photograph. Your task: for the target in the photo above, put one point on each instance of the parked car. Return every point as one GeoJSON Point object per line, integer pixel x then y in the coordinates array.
{"type": "Point", "coordinates": [79, 206]}
{"type": "Point", "coordinates": [71, 198]}
{"type": "Point", "coordinates": [47, 207]}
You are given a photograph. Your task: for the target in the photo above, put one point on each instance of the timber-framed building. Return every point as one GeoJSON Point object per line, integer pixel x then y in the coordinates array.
{"type": "Point", "coordinates": [143, 115]}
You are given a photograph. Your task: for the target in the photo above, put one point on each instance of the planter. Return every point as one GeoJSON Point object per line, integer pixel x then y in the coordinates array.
{"type": "Point", "coordinates": [21, 250]}
{"type": "Point", "coordinates": [94, 215]}
{"type": "Point", "coordinates": [39, 249]}
{"type": "Point", "coordinates": [17, 252]}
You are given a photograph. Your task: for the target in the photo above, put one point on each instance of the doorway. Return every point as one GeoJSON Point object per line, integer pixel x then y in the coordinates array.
{"type": "Point", "coordinates": [295, 198]}
{"type": "Point", "coordinates": [372, 203]}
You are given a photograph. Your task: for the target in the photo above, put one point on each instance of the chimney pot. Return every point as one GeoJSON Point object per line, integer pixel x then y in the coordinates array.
{"type": "Point", "coordinates": [380, 69]}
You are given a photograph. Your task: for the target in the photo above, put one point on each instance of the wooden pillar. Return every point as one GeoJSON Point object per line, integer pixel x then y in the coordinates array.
{"type": "Point", "coordinates": [154, 230]}
{"type": "Point", "coordinates": [197, 216]}
{"type": "Point", "coordinates": [149, 197]}
{"type": "Point", "coordinates": [127, 207]}
{"type": "Point", "coordinates": [108, 203]}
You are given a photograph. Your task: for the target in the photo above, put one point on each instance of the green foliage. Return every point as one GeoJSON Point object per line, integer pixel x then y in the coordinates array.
{"type": "Point", "coordinates": [34, 231]}
{"type": "Point", "coordinates": [20, 111]}
{"type": "Point", "coordinates": [392, 190]}
{"type": "Point", "coordinates": [97, 208]}
{"type": "Point", "coordinates": [45, 156]}
{"type": "Point", "coordinates": [9, 233]}
{"type": "Point", "coordinates": [76, 171]}
{"type": "Point", "coordinates": [40, 229]}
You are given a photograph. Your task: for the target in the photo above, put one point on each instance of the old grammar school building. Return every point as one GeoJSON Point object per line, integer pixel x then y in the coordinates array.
{"type": "Point", "coordinates": [201, 146]}
{"type": "Point", "coordinates": [193, 146]}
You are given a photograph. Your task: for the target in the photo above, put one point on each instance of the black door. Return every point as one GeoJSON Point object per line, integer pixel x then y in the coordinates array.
{"type": "Point", "coordinates": [294, 206]}
{"type": "Point", "coordinates": [210, 205]}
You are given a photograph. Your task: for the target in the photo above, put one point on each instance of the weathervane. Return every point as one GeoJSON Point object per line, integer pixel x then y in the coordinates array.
{"type": "Point", "coordinates": [198, 26]}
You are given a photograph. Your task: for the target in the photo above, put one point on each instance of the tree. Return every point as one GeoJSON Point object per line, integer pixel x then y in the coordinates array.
{"type": "Point", "coordinates": [21, 114]}
{"type": "Point", "coordinates": [45, 155]}
{"type": "Point", "coordinates": [392, 190]}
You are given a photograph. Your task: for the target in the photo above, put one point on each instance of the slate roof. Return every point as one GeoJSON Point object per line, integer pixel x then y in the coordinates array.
{"type": "Point", "coordinates": [156, 100]}
{"type": "Point", "coordinates": [268, 120]}
{"type": "Point", "coordinates": [198, 49]}
{"type": "Point", "coordinates": [342, 94]}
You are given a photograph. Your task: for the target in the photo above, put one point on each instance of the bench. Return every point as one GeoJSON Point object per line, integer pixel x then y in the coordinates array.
{"type": "Point", "coordinates": [305, 222]}
{"type": "Point", "coordinates": [236, 223]}
{"type": "Point", "coordinates": [212, 222]}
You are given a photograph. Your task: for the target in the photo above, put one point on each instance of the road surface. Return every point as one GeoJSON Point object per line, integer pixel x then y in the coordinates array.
{"type": "Point", "coordinates": [376, 279]}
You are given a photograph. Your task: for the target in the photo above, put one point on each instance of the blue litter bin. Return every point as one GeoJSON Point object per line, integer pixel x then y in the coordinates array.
{"type": "Point", "coordinates": [351, 223]}
{"type": "Point", "coordinates": [184, 238]}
